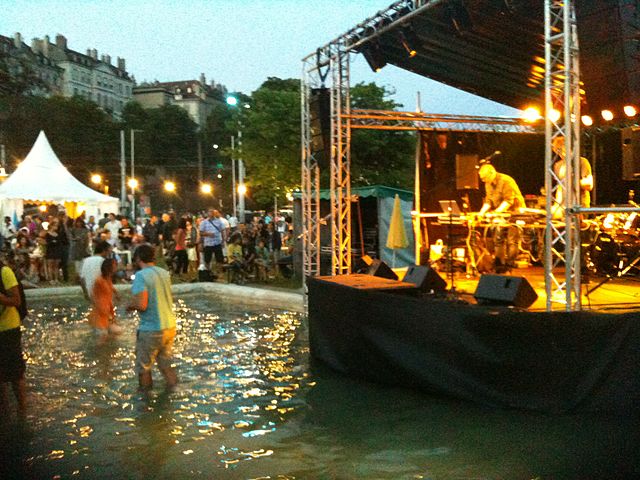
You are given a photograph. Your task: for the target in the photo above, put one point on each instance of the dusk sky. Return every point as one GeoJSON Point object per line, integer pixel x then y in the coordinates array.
{"type": "Point", "coordinates": [236, 43]}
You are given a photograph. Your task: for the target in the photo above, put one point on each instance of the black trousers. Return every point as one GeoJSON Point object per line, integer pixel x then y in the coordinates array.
{"type": "Point", "coordinates": [182, 261]}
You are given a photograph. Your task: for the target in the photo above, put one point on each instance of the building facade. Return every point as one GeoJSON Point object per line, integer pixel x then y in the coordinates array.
{"type": "Point", "coordinates": [78, 74]}
{"type": "Point", "coordinates": [46, 78]}
{"type": "Point", "coordinates": [196, 97]}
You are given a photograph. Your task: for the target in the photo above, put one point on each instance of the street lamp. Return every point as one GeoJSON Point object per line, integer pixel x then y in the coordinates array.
{"type": "Point", "coordinates": [96, 179]}
{"type": "Point", "coordinates": [233, 101]}
{"type": "Point", "coordinates": [169, 186]}
{"type": "Point", "coordinates": [242, 189]}
{"type": "Point", "coordinates": [206, 188]}
{"type": "Point", "coordinates": [132, 183]}
{"type": "Point", "coordinates": [133, 172]}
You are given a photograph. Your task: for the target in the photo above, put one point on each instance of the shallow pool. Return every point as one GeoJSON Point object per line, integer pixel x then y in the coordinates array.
{"type": "Point", "coordinates": [251, 407]}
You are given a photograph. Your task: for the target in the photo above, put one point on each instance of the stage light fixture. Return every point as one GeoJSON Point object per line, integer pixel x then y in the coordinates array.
{"type": "Point", "coordinates": [410, 41]}
{"type": "Point", "coordinates": [607, 115]}
{"type": "Point", "coordinates": [630, 111]}
{"type": "Point", "coordinates": [531, 115]}
{"type": "Point", "coordinates": [373, 56]}
{"type": "Point", "coordinates": [554, 115]}
{"type": "Point", "coordinates": [587, 121]}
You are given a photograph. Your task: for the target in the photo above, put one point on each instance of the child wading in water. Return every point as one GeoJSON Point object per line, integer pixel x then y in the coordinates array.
{"type": "Point", "coordinates": [102, 316]}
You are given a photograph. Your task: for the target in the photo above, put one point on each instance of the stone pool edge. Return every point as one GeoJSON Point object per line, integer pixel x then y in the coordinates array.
{"type": "Point", "coordinates": [249, 295]}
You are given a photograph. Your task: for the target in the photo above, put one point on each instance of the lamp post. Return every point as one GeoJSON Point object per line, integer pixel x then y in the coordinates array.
{"type": "Point", "coordinates": [233, 101]}
{"type": "Point", "coordinates": [133, 173]}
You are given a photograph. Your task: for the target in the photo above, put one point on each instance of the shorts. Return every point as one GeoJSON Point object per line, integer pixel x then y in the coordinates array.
{"type": "Point", "coordinates": [12, 364]}
{"type": "Point", "coordinates": [211, 251]}
{"type": "Point", "coordinates": [152, 347]}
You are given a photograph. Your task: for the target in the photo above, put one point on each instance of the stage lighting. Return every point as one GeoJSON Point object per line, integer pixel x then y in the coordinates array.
{"type": "Point", "coordinates": [531, 115]}
{"type": "Point", "coordinates": [607, 115]}
{"type": "Point", "coordinates": [410, 41]}
{"type": "Point", "coordinates": [554, 115]}
{"type": "Point", "coordinates": [630, 110]}
{"type": "Point", "coordinates": [373, 56]}
{"type": "Point", "coordinates": [587, 121]}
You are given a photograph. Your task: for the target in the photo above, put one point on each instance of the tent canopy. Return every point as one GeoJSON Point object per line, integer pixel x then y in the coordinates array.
{"type": "Point", "coordinates": [41, 177]}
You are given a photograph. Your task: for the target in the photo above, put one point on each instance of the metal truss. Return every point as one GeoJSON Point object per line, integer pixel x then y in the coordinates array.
{"type": "Point", "coordinates": [310, 181]}
{"type": "Point", "coordinates": [562, 101]}
{"type": "Point", "coordinates": [340, 165]}
{"type": "Point", "coordinates": [392, 120]}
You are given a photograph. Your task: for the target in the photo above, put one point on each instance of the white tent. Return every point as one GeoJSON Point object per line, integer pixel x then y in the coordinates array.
{"type": "Point", "coordinates": [41, 178]}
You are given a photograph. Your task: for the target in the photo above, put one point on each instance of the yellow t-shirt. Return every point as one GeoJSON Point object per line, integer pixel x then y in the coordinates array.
{"type": "Point", "coordinates": [9, 318]}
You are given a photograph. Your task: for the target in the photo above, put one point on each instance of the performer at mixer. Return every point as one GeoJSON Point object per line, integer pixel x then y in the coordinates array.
{"type": "Point", "coordinates": [502, 196]}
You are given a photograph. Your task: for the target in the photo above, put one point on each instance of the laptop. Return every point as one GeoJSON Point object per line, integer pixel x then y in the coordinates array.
{"type": "Point", "coordinates": [450, 207]}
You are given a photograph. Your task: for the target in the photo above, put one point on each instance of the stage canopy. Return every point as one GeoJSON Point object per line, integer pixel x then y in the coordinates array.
{"type": "Point", "coordinates": [42, 178]}
{"type": "Point", "coordinates": [495, 49]}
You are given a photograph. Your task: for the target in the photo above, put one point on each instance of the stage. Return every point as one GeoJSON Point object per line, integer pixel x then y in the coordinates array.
{"type": "Point", "coordinates": [614, 296]}
{"type": "Point", "coordinates": [493, 355]}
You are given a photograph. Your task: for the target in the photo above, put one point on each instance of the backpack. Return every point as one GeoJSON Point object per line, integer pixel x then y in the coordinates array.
{"type": "Point", "coordinates": [22, 308]}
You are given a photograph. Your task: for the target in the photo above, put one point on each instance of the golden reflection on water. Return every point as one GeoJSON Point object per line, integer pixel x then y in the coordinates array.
{"type": "Point", "coordinates": [236, 368]}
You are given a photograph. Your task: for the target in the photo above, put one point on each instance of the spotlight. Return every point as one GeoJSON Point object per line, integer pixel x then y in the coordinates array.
{"type": "Point", "coordinates": [170, 186]}
{"type": "Point", "coordinates": [531, 115]}
{"type": "Point", "coordinates": [373, 56]}
{"type": "Point", "coordinates": [242, 189]}
{"type": "Point", "coordinates": [607, 115]}
{"type": "Point", "coordinates": [554, 115]}
{"type": "Point", "coordinates": [42, 208]}
{"type": "Point", "coordinates": [630, 111]}
{"type": "Point", "coordinates": [409, 41]}
{"type": "Point", "coordinates": [96, 178]}
{"type": "Point", "coordinates": [587, 121]}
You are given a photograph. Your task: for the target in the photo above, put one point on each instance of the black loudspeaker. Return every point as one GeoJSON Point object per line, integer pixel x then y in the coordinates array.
{"type": "Point", "coordinates": [466, 172]}
{"type": "Point", "coordinates": [320, 119]}
{"type": "Point", "coordinates": [425, 278]}
{"type": "Point", "coordinates": [505, 290]}
{"type": "Point", "coordinates": [380, 269]}
{"type": "Point", "coordinates": [630, 153]}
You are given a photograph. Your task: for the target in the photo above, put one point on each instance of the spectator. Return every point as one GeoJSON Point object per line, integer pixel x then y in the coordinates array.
{"type": "Point", "coordinates": [180, 238]}
{"type": "Point", "coordinates": [113, 226]}
{"type": "Point", "coordinates": [211, 232]}
{"type": "Point", "coordinates": [151, 231]}
{"type": "Point", "coordinates": [157, 329]}
{"type": "Point", "coordinates": [125, 235]}
{"type": "Point", "coordinates": [79, 236]}
{"type": "Point", "coordinates": [12, 364]}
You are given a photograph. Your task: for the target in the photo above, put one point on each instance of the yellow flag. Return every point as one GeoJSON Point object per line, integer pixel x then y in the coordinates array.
{"type": "Point", "coordinates": [397, 237]}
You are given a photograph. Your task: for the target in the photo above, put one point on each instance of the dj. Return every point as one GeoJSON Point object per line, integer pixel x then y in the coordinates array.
{"type": "Point", "coordinates": [502, 196]}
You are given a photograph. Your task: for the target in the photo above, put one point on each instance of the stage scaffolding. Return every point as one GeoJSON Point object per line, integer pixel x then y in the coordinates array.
{"type": "Point", "coordinates": [328, 67]}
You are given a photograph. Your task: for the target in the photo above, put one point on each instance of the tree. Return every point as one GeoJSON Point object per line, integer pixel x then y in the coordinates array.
{"type": "Point", "coordinates": [271, 140]}
{"type": "Point", "coordinates": [380, 157]}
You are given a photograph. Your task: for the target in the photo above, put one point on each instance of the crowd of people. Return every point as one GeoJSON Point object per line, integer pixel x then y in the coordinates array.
{"type": "Point", "coordinates": [42, 249]}
{"type": "Point", "coordinates": [49, 249]}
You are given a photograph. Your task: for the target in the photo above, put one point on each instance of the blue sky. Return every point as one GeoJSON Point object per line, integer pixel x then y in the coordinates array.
{"type": "Point", "coordinates": [237, 43]}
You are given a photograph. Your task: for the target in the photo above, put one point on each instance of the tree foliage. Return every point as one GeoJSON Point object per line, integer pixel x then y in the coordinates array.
{"type": "Point", "coordinates": [378, 156]}
{"type": "Point", "coordinates": [271, 140]}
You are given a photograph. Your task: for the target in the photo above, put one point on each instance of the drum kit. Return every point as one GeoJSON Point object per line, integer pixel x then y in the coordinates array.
{"type": "Point", "coordinates": [614, 246]}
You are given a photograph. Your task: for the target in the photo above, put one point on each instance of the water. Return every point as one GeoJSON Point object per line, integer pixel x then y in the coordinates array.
{"type": "Point", "coordinates": [251, 407]}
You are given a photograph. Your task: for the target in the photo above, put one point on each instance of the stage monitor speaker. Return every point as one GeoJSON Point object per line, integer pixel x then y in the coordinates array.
{"type": "Point", "coordinates": [505, 290]}
{"type": "Point", "coordinates": [380, 269]}
{"type": "Point", "coordinates": [630, 153]}
{"type": "Point", "coordinates": [466, 172]}
{"type": "Point", "coordinates": [425, 278]}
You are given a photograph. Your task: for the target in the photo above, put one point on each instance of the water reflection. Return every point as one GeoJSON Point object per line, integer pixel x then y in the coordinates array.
{"type": "Point", "coordinates": [249, 406]}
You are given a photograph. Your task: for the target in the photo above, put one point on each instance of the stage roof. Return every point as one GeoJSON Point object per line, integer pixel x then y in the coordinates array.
{"type": "Point", "coordinates": [495, 49]}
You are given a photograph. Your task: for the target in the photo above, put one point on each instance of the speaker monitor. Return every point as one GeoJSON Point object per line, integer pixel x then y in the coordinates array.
{"type": "Point", "coordinates": [377, 268]}
{"type": "Point", "coordinates": [630, 153]}
{"type": "Point", "coordinates": [466, 172]}
{"type": "Point", "coordinates": [425, 278]}
{"type": "Point", "coordinates": [505, 290]}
